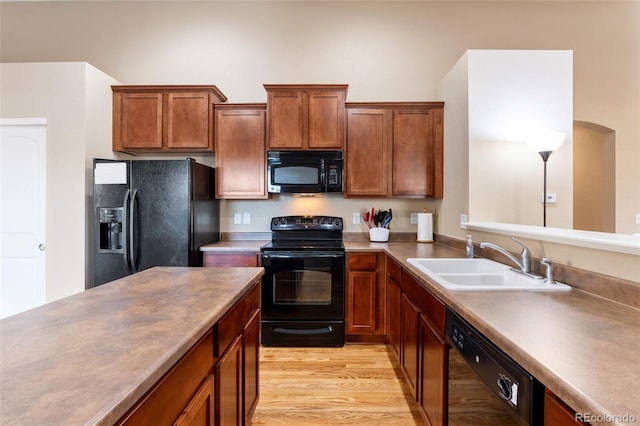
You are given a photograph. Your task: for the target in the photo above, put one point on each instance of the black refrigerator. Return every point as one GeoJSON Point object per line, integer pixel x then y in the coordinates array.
{"type": "Point", "coordinates": [151, 213]}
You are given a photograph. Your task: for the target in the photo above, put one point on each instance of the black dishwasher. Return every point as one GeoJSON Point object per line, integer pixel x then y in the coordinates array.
{"type": "Point", "coordinates": [520, 393]}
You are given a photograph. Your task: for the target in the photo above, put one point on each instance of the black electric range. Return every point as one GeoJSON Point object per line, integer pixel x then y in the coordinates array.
{"type": "Point", "coordinates": [303, 288]}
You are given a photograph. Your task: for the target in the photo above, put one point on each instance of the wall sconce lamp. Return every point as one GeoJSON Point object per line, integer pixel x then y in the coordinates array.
{"type": "Point", "coordinates": [545, 144]}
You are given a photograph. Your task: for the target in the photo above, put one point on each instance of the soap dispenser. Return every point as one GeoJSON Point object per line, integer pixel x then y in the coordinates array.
{"type": "Point", "coordinates": [469, 247]}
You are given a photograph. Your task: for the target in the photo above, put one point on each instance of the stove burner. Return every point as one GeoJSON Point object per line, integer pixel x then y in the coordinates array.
{"type": "Point", "coordinates": [305, 233]}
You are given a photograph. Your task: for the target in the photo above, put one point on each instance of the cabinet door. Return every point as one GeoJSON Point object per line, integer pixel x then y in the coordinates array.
{"type": "Point", "coordinates": [558, 413]}
{"type": "Point", "coordinates": [199, 412]}
{"type": "Point", "coordinates": [409, 347]}
{"type": "Point", "coordinates": [394, 305]}
{"type": "Point", "coordinates": [138, 124]}
{"type": "Point", "coordinates": [251, 365]}
{"type": "Point", "coordinates": [413, 157]}
{"type": "Point", "coordinates": [228, 391]}
{"type": "Point", "coordinates": [365, 297]}
{"type": "Point", "coordinates": [240, 154]}
{"type": "Point", "coordinates": [438, 152]}
{"type": "Point", "coordinates": [433, 374]}
{"type": "Point", "coordinates": [325, 120]}
{"type": "Point", "coordinates": [188, 116]}
{"type": "Point", "coordinates": [361, 302]}
{"type": "Point", "coordinates": [286, 120]}
{"type": "Point", "coordinates": [368, 136]}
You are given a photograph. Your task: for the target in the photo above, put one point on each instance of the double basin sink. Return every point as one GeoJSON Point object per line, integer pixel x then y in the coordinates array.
{"type": "Point", "coordinates": [478, 274]}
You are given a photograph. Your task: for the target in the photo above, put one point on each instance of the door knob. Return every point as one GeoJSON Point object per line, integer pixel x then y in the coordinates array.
{"type": "Point", "coordinates": [42, 246]}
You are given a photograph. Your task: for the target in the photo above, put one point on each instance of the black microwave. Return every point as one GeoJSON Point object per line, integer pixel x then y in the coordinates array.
{"type": "Point", "coordinates": [308, 172]}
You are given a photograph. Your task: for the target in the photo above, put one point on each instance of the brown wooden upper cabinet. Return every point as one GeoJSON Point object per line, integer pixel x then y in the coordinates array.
{"type": "Point", "coordinates": [394, 149]}
{"type": "Point", "coordinates": [164, 118]}
{"type": "Point", "coordinates": [240, 151]}
{"type": "Point", "coordinates": [306, 116]}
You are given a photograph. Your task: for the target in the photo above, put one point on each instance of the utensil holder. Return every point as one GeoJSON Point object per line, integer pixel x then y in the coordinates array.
{"type": "Point", "coordinates": [379, 234]}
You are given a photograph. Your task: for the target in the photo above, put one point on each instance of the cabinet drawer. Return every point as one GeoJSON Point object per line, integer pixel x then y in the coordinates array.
{"type": "Point", "coordinates": [431, 306]}
{"type": "Point", "coordinates": [244, 258]}
{"type": "Point", "coordinates": [230, 326]}
{"type": "Point", "coordinates": [173, 392]}
{"type": "Point", "coordinates": [393, 270]}
{"type": "Point", "coordinates": [433, 309]}
{"type": "Point", "coordinates": [362, 262]}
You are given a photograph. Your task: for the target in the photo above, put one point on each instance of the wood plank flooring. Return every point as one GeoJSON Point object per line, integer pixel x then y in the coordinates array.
{"type": "Point", "coordinates": [355, 384]}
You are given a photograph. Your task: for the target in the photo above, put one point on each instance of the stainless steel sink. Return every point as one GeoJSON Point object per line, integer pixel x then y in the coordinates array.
{"type": "Point", "coordinates": [463, 274]}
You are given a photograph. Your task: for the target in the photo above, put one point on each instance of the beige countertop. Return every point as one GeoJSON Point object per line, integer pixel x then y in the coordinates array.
{"type": "Point", "coordinates": [583, 347]}
{"type": "Point", "coordinates": [88, 358]}
{"type": "Point", "coordinates": [56, 368]}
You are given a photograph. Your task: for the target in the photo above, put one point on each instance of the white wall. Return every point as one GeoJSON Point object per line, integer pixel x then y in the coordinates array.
{"type": "Point", "coordinates": [454, 88]}
{"type": "Point", "coordinates": [384, 50]}
{"type": "Point", "coordinates": [75, 98]}
{"type": "Point", "coordinates": [514, 95]}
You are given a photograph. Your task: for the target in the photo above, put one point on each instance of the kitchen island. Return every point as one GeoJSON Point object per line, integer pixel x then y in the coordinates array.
{"type": "Point", "coordinates": [89, 358]}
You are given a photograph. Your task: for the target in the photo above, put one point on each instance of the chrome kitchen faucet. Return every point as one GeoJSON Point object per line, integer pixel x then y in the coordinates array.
{"type": "Point", "coordinates": [524, 264]}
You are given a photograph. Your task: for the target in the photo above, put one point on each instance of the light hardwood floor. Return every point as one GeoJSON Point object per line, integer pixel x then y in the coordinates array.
{"type": "Point", "coordinates": [355, 384]}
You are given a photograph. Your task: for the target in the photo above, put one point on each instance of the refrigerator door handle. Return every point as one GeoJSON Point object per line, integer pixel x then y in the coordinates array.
{"type": "Point", "coordinates": [132, 227]}
{"type": "Point", "coordinates": [125, 228]}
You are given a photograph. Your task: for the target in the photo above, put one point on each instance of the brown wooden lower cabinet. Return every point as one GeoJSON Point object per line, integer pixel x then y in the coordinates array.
{"type": "Point", "coordinates": [434, 368]}
{"type": "Point", "coordinates": [557, 413]}
{"type": "Point", "coordinates": [415, 324]}
{"type": "Point", "coordinates": [251, 361]}
{"type": "Point", "coordinates": [409, 347]}
{"type": "Point", "coordinates": [228, 374]}
{"type": "Point", "coordinates": [237, 372]}
{"type": "Point", "coordinates": [365, 297]}
{"type": "Point", "coordinates": [394, 305]}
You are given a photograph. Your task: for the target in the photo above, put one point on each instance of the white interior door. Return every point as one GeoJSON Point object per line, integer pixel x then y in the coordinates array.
{"type": "Point", "coordinates": [22, 214]}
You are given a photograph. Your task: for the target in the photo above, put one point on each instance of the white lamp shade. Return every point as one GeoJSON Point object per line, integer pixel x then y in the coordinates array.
{"type": "Point", "coordinates": [542, 142]}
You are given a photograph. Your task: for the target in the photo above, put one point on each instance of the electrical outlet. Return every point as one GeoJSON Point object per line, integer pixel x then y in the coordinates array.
{"type": "Point", "coordinates": [637, 218]}
{"type": "Point", "coordinates": [237, 218]}
{"type": "Point", "coordinates": [246, 218]}
{"type": "Point", "coordinates": [551, 198]}
{"type": "Point", "coordinates": [356, 218]}
{"type": "Point", "coordinates": [414, 218]}
{"type": "Point", "coordinates": [463, 221]}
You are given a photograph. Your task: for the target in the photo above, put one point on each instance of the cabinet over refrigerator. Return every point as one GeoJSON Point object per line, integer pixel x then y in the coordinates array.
{"type": "Point", "coordinates": [151, 213]}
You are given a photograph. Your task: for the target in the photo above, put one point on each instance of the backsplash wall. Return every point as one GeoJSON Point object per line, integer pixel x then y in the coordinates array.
{"type": "Point", "coordinates": [262, 211]}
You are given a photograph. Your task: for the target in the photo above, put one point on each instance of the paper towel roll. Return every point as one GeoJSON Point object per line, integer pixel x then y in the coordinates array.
{"type": "Point", "coordinates": [425, 227]}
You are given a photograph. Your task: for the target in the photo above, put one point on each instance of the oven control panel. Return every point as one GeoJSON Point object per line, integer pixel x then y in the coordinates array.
{"type": "Point", "coordinates": [295, 223]}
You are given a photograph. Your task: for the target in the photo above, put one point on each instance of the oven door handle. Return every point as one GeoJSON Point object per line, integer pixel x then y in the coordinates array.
{"type": "Point", "coordinates": [300, 255]}
{"type": "Point", "coordinates": [310, 331]}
